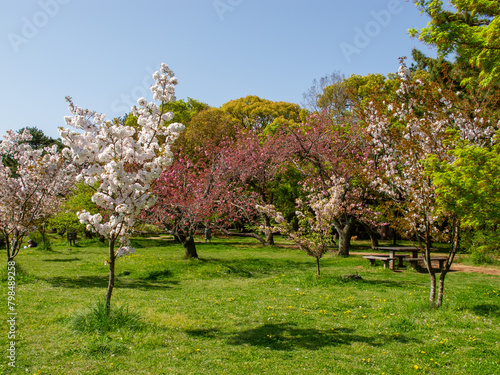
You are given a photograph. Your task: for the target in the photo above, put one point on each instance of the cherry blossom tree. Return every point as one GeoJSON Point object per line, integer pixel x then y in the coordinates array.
{"type": "Point", "coordinates": [422, 122]}
{"type": "Point", "coordinates": [187, 194]}
{"type": "Point", "coordinates": [335, 161]}
{"type": "Point", "coordinates": [253, 165]}
{"type": "Point", "coordinates": [121, 163]}
{"type": "Point", "coordinates": [33, 184]}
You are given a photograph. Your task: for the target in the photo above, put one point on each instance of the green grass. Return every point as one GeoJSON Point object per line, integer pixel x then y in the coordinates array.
{"type": "Point", "coordinates": [246, 309]}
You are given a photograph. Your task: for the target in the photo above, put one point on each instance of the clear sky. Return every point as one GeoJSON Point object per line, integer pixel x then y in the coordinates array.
{"type": "Point", "coordinates": [103, 52]}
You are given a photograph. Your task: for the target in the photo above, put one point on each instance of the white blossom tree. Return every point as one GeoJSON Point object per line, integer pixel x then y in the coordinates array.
{"type": "Point", "coordinates": [121, 162]}
{"type": "Point", "coordinates": [33, 183]}
{"type": "Point", "coordinates": [422, 123]}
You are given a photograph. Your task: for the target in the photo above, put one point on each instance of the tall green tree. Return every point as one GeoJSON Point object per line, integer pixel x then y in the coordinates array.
{"type": "Point", "coordinates": [255, 113]}
{"type": "Point", "coordinates": [468, 29]}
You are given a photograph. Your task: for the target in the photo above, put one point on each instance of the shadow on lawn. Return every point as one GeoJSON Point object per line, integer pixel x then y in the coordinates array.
{"type": "Point", "coordinates": [287, 336]}
{"type": "Point", "coordinates": [487, 309]}
{"type": "Point", "coordinates": [62, 260]}
{"type": "Point", "coordinates": [102, 282]}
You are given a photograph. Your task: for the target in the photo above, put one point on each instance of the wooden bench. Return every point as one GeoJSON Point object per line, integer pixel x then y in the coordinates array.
{"type": "Point", "coordinates": [414, 261]}
{"type": "Point", "coordinates": [374, 258]}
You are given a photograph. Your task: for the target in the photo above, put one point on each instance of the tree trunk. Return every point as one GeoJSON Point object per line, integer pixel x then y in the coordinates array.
{"type": "Point", "coordinates": [432, 274]}
{"type": "Point", "coordinates": [439, 301]}
{"type": "Point", "coordinates": [317, 265]}
{"type": "Point", "coordinates": [111, 281]}
{"type": "Point", "coordinates": [455, 244]}
{"type": "Point", "coordinates": [269, 237]}
{"type": "Point", "coordinates": [374, 236]}
{"type": "Point", "coordinates": [12, 244]}
{"type": "Point", "coordinates": [268, 232]}
{"type": "Point", "coordinates": [345, 236]}
{"type": "Point", "coordinates": [41, 229]}
{"type": "Point", "coordinates": [190, 248]}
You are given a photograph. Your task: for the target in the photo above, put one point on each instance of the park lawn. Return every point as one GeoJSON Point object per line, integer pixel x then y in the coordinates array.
{"type": "Point", "coordinates": [247, 309]}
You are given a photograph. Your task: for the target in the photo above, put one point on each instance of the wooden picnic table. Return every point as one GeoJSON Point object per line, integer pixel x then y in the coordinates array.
{"type": "Point", "coordinates": [394, 249]}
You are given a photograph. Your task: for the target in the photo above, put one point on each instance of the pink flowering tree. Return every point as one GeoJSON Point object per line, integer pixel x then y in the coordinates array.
{"type": "Point", "coordinates": [422, 122]}
{"type": "Point", "coordinates": [186, 194]}
{"type": "Point", "coordinates": [253, 173]}
{"type": "Point", "coordinates": [33, 183]}
{"type": "Point", "coordinates": [335, 161]}
{"type": "Point", "coordinates": [121, 163]}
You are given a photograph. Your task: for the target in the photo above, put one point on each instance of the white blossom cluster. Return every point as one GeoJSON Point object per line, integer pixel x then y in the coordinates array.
{"type": "Point", "coordinates": [32, 186]}
{"type": "Point", "coordinates": [122, 162]}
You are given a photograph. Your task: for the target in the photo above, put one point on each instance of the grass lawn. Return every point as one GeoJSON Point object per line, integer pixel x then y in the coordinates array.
{"type": "Point", "coordinates": [247, 309]}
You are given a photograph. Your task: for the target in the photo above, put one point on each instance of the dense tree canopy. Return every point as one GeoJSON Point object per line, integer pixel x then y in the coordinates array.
{"type": "Point", "coordinates": [470, 30]}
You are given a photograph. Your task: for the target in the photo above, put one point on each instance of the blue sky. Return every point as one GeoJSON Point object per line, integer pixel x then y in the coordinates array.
{"type": "Point", "coordinates": [103, 53]}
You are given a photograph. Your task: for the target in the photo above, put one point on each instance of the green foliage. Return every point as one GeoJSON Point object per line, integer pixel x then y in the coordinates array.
{"type": "Point", "coordinates": [40, 140]}
{"type": "Point", "coordinates": [483, 246]}
{"type": "Point", "coordinates": [470, 186]}
{"type": "Point", "coordinates": [98, 319]}
{"type": "Point", "coordinates": [470, 29]}
{"type": "Point", "coordinates": [207, 128]}
{"type": "Point", "coordinates": [253, 112]}
{"type": "Point", "coordinates": [343, 97]}
{"type": "Point", "coordinates": [80, 199]}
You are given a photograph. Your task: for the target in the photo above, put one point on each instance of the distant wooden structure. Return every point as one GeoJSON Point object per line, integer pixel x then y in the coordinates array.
{"type": "Point", "coordinates": [72, 238]}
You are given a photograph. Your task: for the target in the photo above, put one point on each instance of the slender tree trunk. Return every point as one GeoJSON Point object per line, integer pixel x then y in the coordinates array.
{"type": "Point", "coordinates": [317, 265]}
{"type": "Point", "coordinates": [12, 244]}
{"type": "Point", "coordinates": [42, 233]}
{"type": "Point", "coordinates": [455, 244]}
{"type": "Point", "coordinates": [432, 274]}
{"type": "Point", "coordinates": [111, 281]}
{"type": "Point", "coordinates": [439, 301]}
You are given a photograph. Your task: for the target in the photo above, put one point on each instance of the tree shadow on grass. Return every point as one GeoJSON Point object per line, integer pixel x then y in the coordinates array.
{"type": "Point", "coordinates": [205, 333]}
{"type": "Point", "coordinates": [258, 266]}
{"type": "Point", "coordinates": [62, 260]}
{"type": "Point", "coordinates": [487, 309]}
{"type": "Point", "coordinates": [287, 336]}
{"type": "Point", "coordinates": [102, 282]}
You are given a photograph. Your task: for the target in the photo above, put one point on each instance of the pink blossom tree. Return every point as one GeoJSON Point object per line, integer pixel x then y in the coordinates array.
{"type": "Point", "coordinates": [121, 163]}
{"type": "Point", "coordinates": [32, 187]}
{"type": "Point", "coordinates": [253, 164]}
{"type": "Point", "coordinates": [335, 161]}
{"type": "Point", "coordinates": [186, 194]}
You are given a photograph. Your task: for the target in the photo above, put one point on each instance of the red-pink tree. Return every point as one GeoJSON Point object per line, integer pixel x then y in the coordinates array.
{"type": "Point", "coordinates": [253, 166]}
{"type": "Point", "coordinates": [334, 156]}
{"type": "Point", "coordinates": [185, 194]}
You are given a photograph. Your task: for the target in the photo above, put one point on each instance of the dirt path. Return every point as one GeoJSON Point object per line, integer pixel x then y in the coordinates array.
{"type": "Point", "coordinates": [457, 267]}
